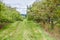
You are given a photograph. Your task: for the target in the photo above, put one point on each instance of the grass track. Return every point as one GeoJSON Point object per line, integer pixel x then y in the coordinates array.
{"type": "Point", "coordinates": [26, 30]}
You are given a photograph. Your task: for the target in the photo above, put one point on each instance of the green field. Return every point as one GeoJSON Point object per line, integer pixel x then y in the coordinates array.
{"type": "Point", "coordinates": [25, 30]}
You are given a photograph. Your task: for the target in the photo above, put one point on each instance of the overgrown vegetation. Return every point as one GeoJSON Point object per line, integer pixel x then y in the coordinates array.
{"type": "Point", "coordinates": [8, 14]}
{"type": "Point", "coordinates": [42, 15]}
{"type": "Point", "coordinates": [46, 13]}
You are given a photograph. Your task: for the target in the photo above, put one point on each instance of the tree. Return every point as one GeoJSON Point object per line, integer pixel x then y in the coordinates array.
{"type": "Point", "coordinates": [46, 11]}
{"type": "Point", "coordinates": [8, 14]}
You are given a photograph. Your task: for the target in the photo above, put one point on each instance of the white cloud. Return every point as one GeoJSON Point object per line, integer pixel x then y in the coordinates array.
{"type": "Point", "coordinates": [20, 4]}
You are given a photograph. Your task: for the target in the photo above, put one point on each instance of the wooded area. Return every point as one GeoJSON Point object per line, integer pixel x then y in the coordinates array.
{"type": "Point", "coordinates": [47, 14]}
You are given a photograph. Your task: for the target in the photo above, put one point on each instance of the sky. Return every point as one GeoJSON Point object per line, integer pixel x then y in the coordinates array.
{"type": "Point", "coordinates": [21, 5]}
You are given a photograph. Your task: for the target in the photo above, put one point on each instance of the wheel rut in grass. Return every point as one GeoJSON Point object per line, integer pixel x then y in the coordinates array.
{"type": "Point", "coordinates": [26, 30]}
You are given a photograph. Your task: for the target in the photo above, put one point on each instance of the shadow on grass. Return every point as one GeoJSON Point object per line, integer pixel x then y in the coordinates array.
{"type": "Point", "coordinates": [4, 26]}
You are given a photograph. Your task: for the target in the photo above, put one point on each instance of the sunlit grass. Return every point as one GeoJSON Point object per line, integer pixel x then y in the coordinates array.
{"type": "Point", "coordinates": [26, 30]}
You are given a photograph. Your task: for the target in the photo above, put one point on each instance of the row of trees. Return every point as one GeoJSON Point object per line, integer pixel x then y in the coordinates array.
{"type": "Point", "coordinates": [8, 14]}
{"type": "Point", "coordinates": [46, 11]}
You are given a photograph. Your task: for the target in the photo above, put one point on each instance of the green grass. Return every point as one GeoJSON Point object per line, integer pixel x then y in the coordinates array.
{"type": "Point", "coordinates": [26, 30]}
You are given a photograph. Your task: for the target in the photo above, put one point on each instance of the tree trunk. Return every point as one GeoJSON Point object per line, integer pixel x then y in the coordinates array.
{"type": "Point", "coordinates": [52, 24]}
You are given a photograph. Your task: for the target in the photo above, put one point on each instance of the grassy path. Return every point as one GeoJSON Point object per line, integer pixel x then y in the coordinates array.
{"type": "Point", "coordinates": [24, 31]}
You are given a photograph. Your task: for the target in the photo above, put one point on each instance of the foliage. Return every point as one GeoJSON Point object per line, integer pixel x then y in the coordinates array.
{"type": "Point", "coordinates": [47, 11]}
{"type": "Point", "coordinates": [8, 14]}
